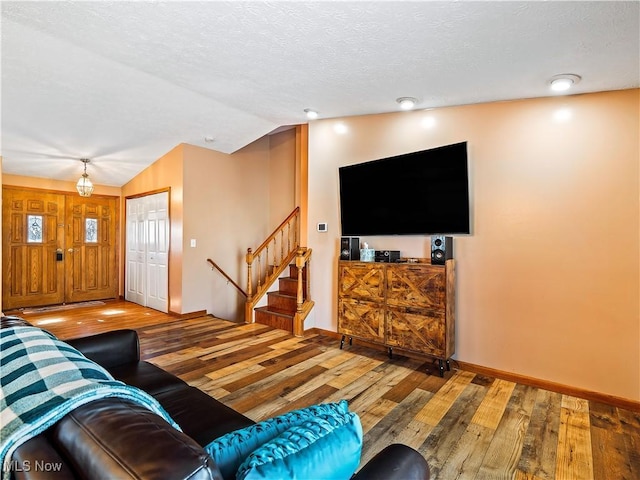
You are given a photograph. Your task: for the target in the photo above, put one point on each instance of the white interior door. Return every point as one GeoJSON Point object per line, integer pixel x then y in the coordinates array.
{"type": "Point", "coordinates": [147, 251]}
{"type": "Point", "coordinates": [157, 225]}
{"type": "Point", "coordinates": [135, 252]}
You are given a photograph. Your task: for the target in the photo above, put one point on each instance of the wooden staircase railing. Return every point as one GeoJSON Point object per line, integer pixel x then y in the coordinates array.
{"type": "Point", "coordinates": [268, 261]}
{"type": "Point", "coordinates": [266, 264]}
{"type": "Point", "coordinates": [214, 265]}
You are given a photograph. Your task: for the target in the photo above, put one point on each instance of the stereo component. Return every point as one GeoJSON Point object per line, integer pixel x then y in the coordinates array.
{"type": "Point", "coordinates": [441, 249]}
{"type": "Point", "coordinates": [387, 256]}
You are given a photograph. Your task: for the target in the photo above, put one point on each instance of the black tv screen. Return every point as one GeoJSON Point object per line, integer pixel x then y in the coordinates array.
{"type": "Point", "coordinates": [419, 193]}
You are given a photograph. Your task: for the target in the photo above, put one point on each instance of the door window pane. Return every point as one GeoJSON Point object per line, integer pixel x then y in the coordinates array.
{"type": "Point", "coordinates": [34, 228]}
{"type": "Point", "coordinates": [91, 230]}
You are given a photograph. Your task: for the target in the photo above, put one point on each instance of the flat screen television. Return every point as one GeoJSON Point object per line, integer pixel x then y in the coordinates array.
{"type": "Point", "coordinates": [419, 193]}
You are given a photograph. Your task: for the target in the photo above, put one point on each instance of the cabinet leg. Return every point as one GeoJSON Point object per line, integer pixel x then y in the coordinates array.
{"type": "Point", "coordinates": [350, 341]}
{"type": "Point", "coordinates": [441, 368]}
{"type": "Point", "coordinates": [390, 352]}
{"type": "Point", "coordinates": [342, 342]}
{"type": "Point", "coordinates": [448, 365]}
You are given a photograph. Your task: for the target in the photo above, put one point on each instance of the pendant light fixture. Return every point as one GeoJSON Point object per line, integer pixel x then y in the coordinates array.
{"type": "Point", "coordinates": [84, 185]}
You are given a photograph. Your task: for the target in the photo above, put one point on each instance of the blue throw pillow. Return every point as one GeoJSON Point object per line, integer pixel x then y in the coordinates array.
{"type": "Point", "coordinates": [231, 449]}
{"type": "Point", "coordinates": [318, 449]}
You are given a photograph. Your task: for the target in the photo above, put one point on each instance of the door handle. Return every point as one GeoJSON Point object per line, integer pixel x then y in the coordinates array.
{"type": "Point", "coordinates": [70, 250]}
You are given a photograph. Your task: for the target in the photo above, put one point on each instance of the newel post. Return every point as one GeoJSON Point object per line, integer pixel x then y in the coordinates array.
{"type": "Point", "coordinates": [298, 329]}
{"type": "Point", "coordinates": [248, 306]}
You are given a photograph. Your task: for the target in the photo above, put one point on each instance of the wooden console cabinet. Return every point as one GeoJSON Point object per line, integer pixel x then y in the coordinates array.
{"type": "Point", "coordinates": [409, 306]}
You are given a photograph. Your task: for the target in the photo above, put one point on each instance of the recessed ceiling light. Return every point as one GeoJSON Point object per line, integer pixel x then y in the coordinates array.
{"type": "Point", "coordinates": [311, 114]}
{"type": "Point", "coordinates": [406, 103]}
{"type": "Point", "coordinates": [563, 82]}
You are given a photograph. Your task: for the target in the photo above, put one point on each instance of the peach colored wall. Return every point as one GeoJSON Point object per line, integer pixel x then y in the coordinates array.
{"type": "Point", "coordinates": [167, 171]}
{"type": "Point", "coordinates": [548, 281]}
{"type": "Point", "coordinates": [225, 203]}
{"type": "Point", "coordinates": [282, 156]}
{"type": "Point", "coordinates": [226, 212]}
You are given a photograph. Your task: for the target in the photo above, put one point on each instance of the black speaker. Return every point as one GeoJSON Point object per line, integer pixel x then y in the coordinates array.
{"type": "Point", "coordinates": [350, 248]}
{"type": "Point", "coordinates": [441, 249]}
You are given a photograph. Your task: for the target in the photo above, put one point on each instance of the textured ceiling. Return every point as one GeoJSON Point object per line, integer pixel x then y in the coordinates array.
{"type": "Point", "coordinates": [124, 82]}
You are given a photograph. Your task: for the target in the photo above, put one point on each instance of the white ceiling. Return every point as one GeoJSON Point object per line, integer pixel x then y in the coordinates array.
{"type": "Point", "coordinates": [124, 82]}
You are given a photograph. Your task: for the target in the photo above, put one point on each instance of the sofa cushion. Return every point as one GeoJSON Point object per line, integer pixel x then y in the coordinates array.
{"type": "Point", "coordinates": [230, 450]}
{"type": "Point", "coordinates": [321, 448]}
{"type": "Point", "coordinates": [199, 415]}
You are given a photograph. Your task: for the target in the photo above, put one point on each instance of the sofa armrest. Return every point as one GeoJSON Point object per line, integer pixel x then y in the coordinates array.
{"type": "Point", "coordinates": [395, 462]}
{"type": "Point", "coordinates": [13, 321]}
{"type": "Point", "coordinates": [109, 349]}
{"type": "Point", "coordinates": [114, 438]}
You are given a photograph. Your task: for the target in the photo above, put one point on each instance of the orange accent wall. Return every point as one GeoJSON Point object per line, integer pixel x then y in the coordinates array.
{"type": "Point", "coordinates": [548, 282]}
{"type": "Point", "coordinates": [302, 180]}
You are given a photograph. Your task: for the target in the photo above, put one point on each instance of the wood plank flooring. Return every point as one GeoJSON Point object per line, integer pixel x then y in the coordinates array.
{"type": "Point", "coordinates": [467, 426]}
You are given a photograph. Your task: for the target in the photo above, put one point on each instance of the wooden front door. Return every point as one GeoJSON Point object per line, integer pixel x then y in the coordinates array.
{"type": "Point", "coordinates": [58, 248]}
{"type": "Point", "coordinates": [33, 234]}
{"type": "Point", "coordinates": [91, 268]}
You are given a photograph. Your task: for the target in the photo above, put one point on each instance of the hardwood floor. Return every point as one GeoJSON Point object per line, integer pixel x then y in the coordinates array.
{"type": "Point", "coordinates": [467, 426]}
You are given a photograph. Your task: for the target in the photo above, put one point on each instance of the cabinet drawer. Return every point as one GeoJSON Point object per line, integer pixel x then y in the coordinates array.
{"type": "Point", "coordinates": [361, 319]}
{"type": "Point", "coordinates": [421, 331]}
{"type": "Point", "coordinates": [361, 280]}
{"type": "Point", "coordinates": [419, 286]}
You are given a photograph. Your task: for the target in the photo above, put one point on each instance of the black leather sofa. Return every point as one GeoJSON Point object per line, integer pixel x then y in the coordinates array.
{"type": "Point", "coordinates": [117, 439]}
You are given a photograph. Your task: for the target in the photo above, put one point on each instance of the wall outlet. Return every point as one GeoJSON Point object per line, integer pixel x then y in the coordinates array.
{"type": "Point", "coordinates": [193, 243]}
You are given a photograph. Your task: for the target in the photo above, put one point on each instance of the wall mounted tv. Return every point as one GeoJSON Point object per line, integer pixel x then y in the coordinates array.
{"type": "Point", "coordinates": [419, 193]}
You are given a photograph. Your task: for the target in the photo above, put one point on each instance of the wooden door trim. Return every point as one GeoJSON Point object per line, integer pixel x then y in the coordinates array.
{"type": "Point", "coordinates": [59, 192]}
{"type": "Point", "coordinates": [150, 192]}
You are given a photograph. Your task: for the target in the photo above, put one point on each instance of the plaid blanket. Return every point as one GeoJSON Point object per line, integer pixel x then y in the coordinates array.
{"type": "Point", "coordinates": [42, 379]}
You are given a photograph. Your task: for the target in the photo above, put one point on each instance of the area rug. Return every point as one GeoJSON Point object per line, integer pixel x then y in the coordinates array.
{"type": "Point", "coordinates": [68, 306]}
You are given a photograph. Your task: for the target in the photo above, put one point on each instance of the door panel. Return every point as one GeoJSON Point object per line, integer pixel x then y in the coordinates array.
{"type": "Point", "coordinates": [32, 224]}
{"type": "Point", "coordinates": [91, 240]}
{"type": "Point", "coordinates": [134, 285]}
{"type": "Point", "coordinates": [158, 251]}
{"type": "Point", "coordinates": [147, 277]}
